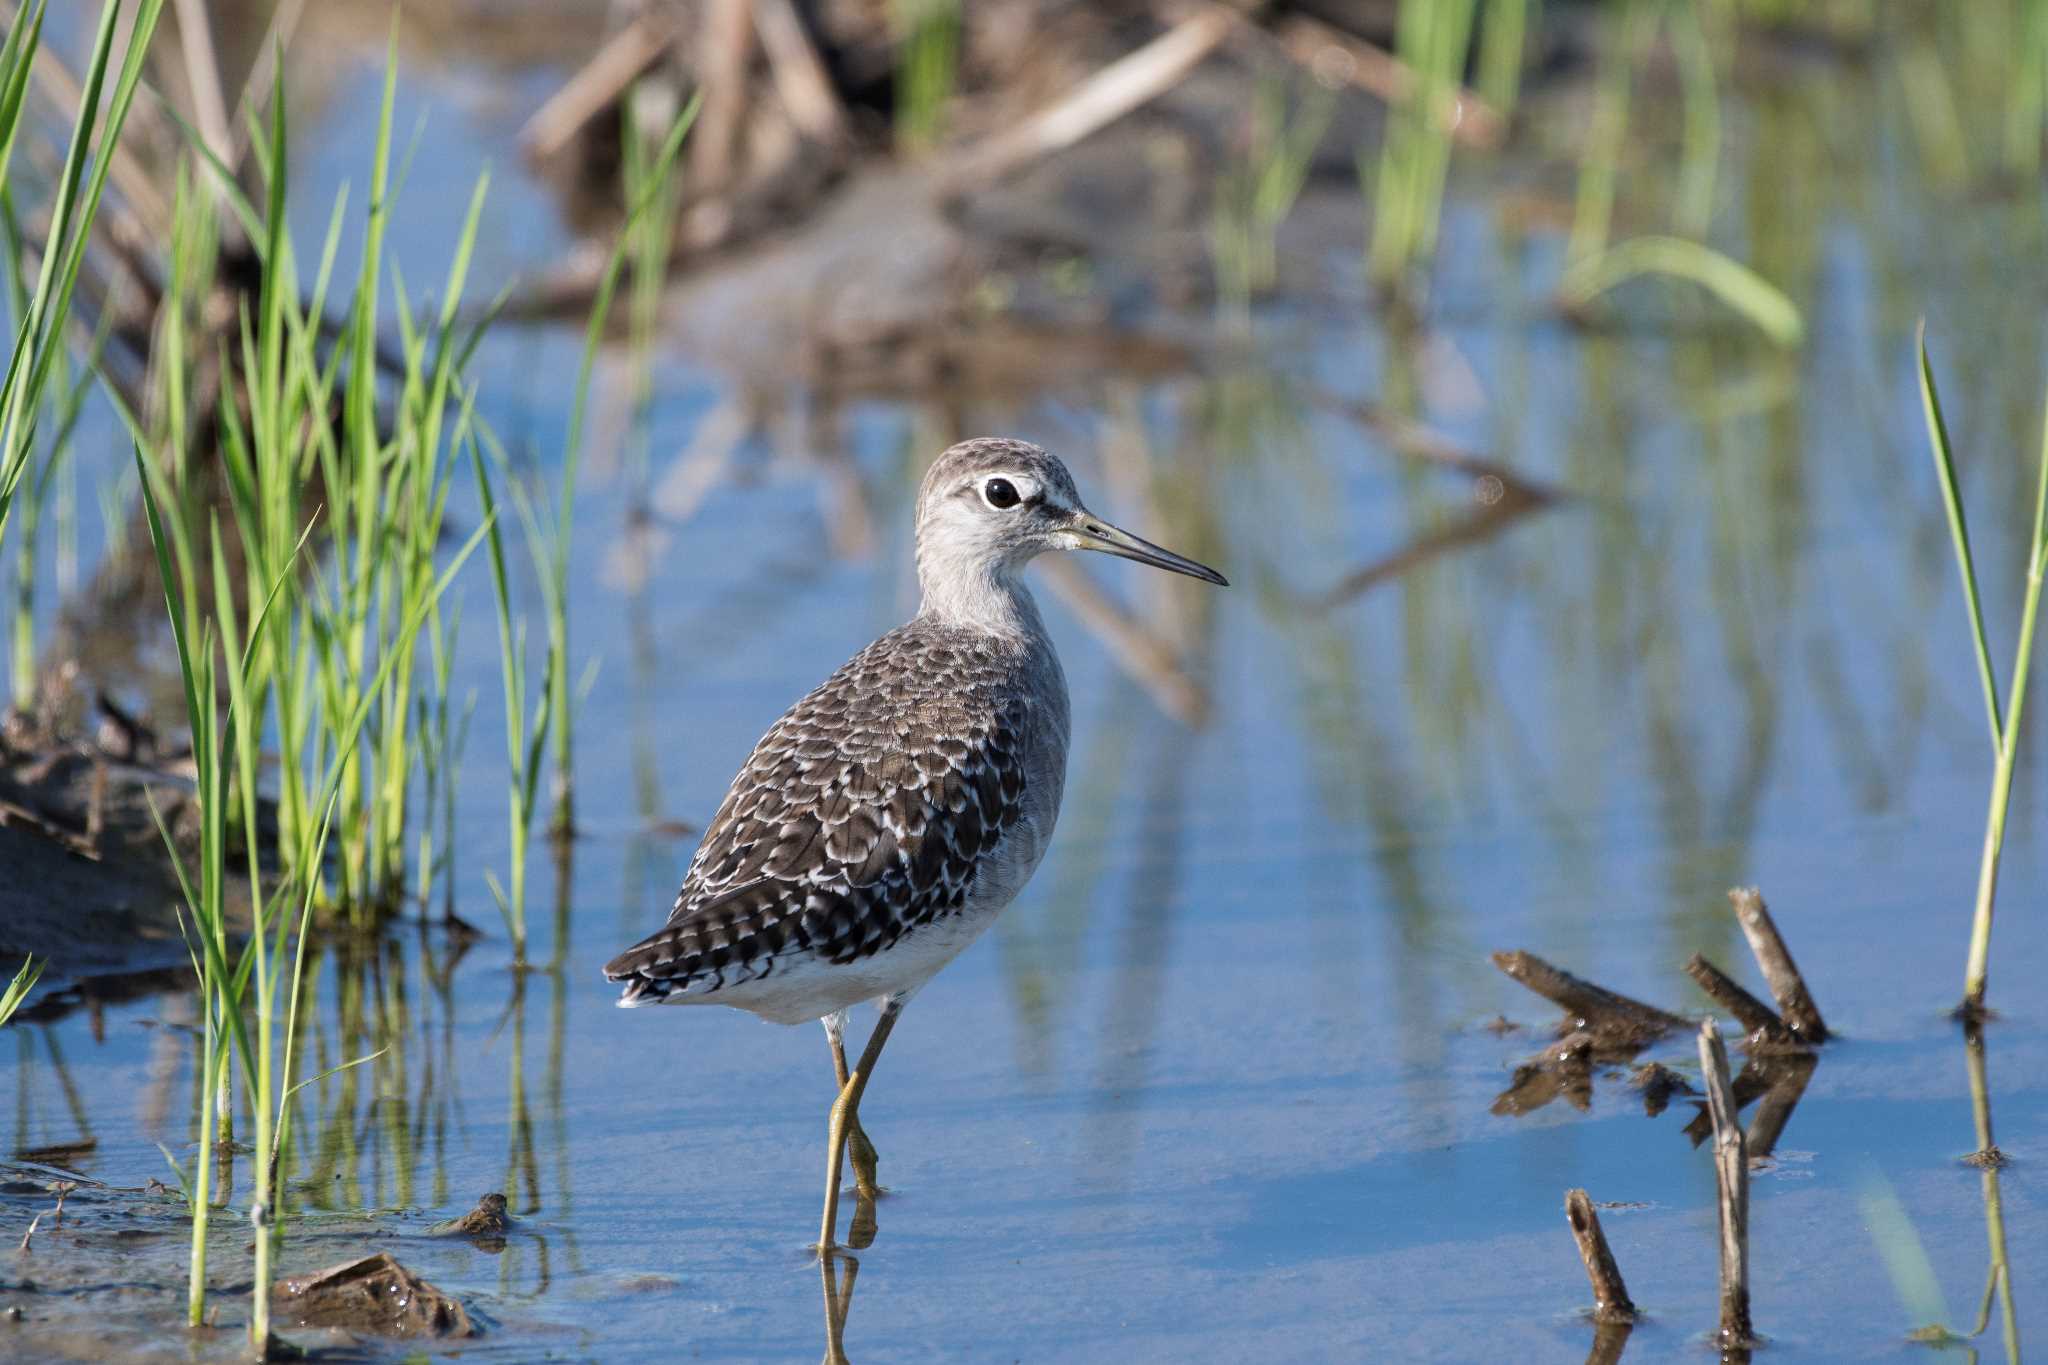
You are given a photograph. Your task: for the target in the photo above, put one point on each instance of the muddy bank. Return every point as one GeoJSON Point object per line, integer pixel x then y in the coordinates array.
{"type": "Point", "coordinates": [107, 1279]}
{"type": "Point", "coordinates": [85, 880]}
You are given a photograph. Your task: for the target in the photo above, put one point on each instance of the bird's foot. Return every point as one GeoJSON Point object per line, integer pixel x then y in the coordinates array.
{"type": "Point", "coordinates": [862, 1153]}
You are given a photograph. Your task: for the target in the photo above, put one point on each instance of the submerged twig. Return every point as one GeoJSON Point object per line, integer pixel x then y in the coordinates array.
{"type": "Point", "coordinates": [1731, 1171]}
{"type": "Point", "coordinates": [1795, 1002]}
{"type": "Point", "coordinates": [1611, 1303]}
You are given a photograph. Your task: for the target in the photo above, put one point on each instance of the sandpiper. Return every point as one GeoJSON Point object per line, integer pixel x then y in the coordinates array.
{"type": "Point", "coordinates": [892, 814]}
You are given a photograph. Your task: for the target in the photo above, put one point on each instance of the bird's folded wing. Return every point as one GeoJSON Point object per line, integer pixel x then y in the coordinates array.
{"type": "Point", "coordinates": [863, 813]}
{"type": "Point", "coordinates": [748, 933]}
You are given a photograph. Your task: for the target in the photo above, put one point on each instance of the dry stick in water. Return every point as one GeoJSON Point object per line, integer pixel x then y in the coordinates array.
{"type": "Point", "coordinates": [1611, 1302]}
{"type": "Point", "coordinates": [1795, 1002]}
{"type": "Point", "coordinates": [1753, 1014]}
{"type": "Point", "coordinates": [1595, 1005]}
{"type": "Point", "coordinates": [1731, 1169]}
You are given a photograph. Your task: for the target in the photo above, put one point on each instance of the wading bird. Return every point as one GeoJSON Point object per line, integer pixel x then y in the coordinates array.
{"type": "Point", "coordinates": [890, 815]}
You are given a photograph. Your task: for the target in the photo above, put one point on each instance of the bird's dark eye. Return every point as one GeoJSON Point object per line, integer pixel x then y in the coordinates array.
{"type": "Point", "coordinates": [1000, 493]}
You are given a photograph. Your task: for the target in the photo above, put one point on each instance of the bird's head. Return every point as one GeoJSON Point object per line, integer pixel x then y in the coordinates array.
{"type": "Point", "coordinates": [991, 505]}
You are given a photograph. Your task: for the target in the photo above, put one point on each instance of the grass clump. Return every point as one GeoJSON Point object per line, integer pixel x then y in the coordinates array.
{"type": "Point", "coordinates": [1432, 37]}
{"type": "Point", "coordinates": [352, 440]}
{"type": "Point", "coordinates": [1257, 192]}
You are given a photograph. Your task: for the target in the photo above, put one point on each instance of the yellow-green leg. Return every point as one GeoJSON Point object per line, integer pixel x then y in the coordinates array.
{"type": "Point", "coordinates": [846, 1119]}
{"type": "Point", "coordinates": [858, 1148]}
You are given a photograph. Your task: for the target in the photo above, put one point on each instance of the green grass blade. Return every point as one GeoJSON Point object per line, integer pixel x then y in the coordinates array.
{"type": "Point", "coordinates": [18, 989]}
{"type": "Point", "coordinates": [1959, 533]}
{"type": "Point", "coordinates": [1734, 283]}
{"type": "Point", "coordinates": [17, 55]}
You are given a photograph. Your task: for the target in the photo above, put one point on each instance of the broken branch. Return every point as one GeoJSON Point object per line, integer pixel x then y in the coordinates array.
{"type": "Point", "coordinates": [1731, 1171]}
{"type": "Point", "coordinates": [1591, 1006]}
{"type": "Point", "coordinates": [1611, 1302]}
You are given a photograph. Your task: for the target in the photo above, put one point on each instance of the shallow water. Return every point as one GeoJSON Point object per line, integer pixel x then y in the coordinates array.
{"type": "Point", "coordinates": [1219, 1085]}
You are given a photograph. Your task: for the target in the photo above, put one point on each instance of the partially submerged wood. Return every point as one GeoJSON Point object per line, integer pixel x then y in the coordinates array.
{"type": "Point", "coordinates": [1757, 1019]}
{"type": "Point", "coordinates": [1611, 1303]}
{"type": "Point", "coordinates": [371, 1294]}
{"type": "Point", "coordinates": [1731, 1171]}
{"type": "Point", "coordinates": [1592, 1008]}
{"type": "Point", "coordinates": [1795, 1002]}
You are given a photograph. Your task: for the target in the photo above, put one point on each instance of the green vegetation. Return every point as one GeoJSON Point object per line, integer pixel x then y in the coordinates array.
{"type": "Point", "coordinates": [644, 239]}
{"type": "Point", "coordinates": [524, 739]}
{"type": "Point", "coordinates": [2005, 728]}
{"type": "Point", "coordinates": [317, 448]}
{"type": "Point", "coordinates": [42, 311]}
{"type": "Point", "coordinates": [17, 990]}
{"type": "Point", "coordinates": [1432, 38]}
{"type": "Point", "coordinates": [1593, 265]}
{"type": "Point", "coordinates": [311, 643]}
{"type": "Point", "coordinates": [1735, 284]}
{"type": "Point", "coordinates": [1257, 192]}
{"type": "Point", "coordinates": [928, 38]}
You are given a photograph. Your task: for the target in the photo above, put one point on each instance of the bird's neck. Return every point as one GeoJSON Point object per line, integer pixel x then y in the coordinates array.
{"type": "Point", "coordinates": [990, 598]}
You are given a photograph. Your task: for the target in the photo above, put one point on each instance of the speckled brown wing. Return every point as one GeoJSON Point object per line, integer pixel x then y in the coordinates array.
{"type": "Point", "coordinates": [861, 815]}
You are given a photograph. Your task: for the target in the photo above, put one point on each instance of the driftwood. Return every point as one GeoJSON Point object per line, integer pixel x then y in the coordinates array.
{"type": "Point", "coordinates": [725, 39]}
{"type": "Point", "coordinates": [598, 84]}
{"type": "Point", "coordinates": [1781, 1058]}
{"type": "Point", "coordinates": [1731, 1171]}
{"type": "Point", "coordinates": [1124, 85]}
{"type": "Point", "coordinates": [372, 1294]}
{"type": "Point", "coordinates": [1611, 1303]}
{"type": "Point", "coordinates": [1614, 1016]}
{"type": "Point", "coordinates": [1795, 1002]}
{"type": "Point", "coordinates": [801, 80]}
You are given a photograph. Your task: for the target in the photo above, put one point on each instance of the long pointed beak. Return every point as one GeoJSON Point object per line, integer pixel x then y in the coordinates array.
{"type": "Point", "coordinates": [1093, 533]}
